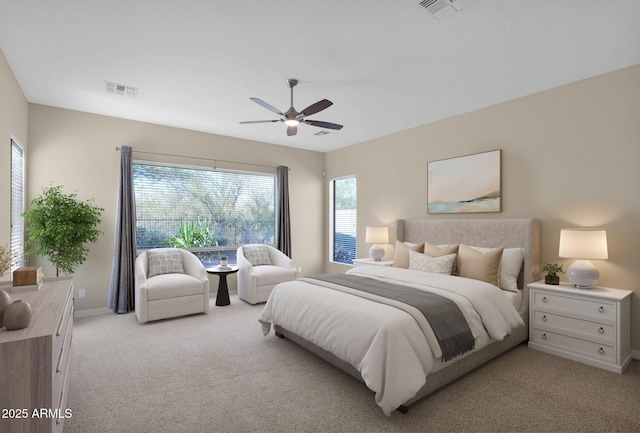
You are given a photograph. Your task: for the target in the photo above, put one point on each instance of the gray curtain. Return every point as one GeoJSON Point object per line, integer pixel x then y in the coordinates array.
{"type": "Point", "coordinates": [121, 290]}
{"type": "Point", "coordinates": [283, 222]}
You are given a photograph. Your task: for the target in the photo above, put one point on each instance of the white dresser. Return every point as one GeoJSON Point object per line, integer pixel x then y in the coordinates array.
{"type": "Point", "coordinates": [591, 326]}
{"type": "Point", "coordinates": [35, 361]}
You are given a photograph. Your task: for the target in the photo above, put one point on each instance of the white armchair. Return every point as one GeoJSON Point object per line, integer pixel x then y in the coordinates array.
{"type": "Point", "coordinates": [261, 267]}
{"type": "Point", "coordinates": [169, 282]}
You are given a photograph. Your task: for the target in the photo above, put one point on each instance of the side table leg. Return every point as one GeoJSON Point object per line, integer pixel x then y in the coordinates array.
{"type": "Point", "coordinates": [222, 298]}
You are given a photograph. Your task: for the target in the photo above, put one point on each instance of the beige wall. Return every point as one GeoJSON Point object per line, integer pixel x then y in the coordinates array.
{"type": "Point", "coordinates": [570, 156]}
{"type": "Point", "coordinates": [77, 150]}
{"type": "Point", "coordinates": [14, 119]}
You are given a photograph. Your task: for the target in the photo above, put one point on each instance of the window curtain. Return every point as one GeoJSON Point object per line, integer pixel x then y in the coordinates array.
{"type": "Point", "coordinates": [121, 289]}
{"type": "Point", "coordinates": [283, 222]}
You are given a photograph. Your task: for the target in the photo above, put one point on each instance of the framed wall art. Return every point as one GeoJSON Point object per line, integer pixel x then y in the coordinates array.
{"type": "Point", "coordinates": [465, 184]}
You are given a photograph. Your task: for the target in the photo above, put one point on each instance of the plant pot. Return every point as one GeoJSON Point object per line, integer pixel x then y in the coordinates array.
{"type": "Point", "coordinates": [553, 280]}
{"type": "Point", "coordinates": [224, 262]}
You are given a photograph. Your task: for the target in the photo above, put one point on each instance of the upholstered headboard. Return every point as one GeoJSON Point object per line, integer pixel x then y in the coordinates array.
{"type": "Point", "coordinates": [507, 233]}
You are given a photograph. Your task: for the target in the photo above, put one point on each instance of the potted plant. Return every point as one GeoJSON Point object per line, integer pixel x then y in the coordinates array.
{"type": "Point", "coordinates": [6, 261]}
{"type": "Point", "coordinates": [552, 270]}
{"type": "Point", "coordinates": [59, 226]}
{"type": "Point", "coordinates": [224, 261]}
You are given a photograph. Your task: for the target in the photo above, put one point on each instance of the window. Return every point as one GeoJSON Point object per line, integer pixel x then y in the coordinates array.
{"type": "Point", "coordinates": [343, 219]}
{"type": "Point", "coordinates": [208, 212]}
{"type": "Point", "coordinates": [17, 204]}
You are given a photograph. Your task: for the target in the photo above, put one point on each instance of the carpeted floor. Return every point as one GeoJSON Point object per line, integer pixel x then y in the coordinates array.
{"type": "Point", "coordinates": [217, 373]}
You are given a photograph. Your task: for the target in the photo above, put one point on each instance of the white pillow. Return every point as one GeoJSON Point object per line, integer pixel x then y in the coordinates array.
{"type": "Point", "coordinates": [436, 265]}
{"type": "Point", "coordinates": [257, 254]}
{"type": "Point", "coordinates": [164, 262]}
{"type": "Point", "coordinates": [510, 265]}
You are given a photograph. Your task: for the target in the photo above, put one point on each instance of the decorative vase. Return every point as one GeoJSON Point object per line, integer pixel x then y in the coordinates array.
{"type": "Point", "coordinates": [553, 280]}
{"type": "Point", "coordinates": [5, 300]}
{"type": "Point", "coordinates": [17, 315]}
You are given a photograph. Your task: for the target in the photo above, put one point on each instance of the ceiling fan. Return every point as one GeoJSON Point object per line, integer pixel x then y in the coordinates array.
{"type": "Point", "coordinates": [293, 118]}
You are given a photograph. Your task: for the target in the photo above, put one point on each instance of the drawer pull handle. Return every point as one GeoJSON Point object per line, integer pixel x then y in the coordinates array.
{"type": "Point", "coordinates": [601, 351]}
{"type": "Point", "coordinates": [601, 330]}
{"type": "Point", "coordinates": [544, 318]}
{"type": "Point", "coordinates": [544, 299]}
{"type": "Point", "coordinates": [544, 336]}
{"type": "Point", "coordinates": [601, 309]}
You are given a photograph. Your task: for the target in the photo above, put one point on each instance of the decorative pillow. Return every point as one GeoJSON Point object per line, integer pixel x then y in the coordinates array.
{"type": "Point", "coordinates": [164, 262]}
{"type": "Point", "coordinates": [510, 266]}
{"type": "Point", "coordinates": [439, 250]}
{"type": "Point", "coordinates": [436, 265]}
{"type": "Point", "coordinates": [480, 266]}
{"type": "Point", "coordinates": [257, 254]}
{"type": "Point", "coordinates": [401, 253]}
{"type": "Point", "coordinates": [442, 250]}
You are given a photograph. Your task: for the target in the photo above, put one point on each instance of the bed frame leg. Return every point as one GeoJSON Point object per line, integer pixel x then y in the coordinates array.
{"type": "Point", "coordinates": [403, 409]}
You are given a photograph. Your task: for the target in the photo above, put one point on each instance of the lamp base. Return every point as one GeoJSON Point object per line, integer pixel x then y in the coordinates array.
{"type": "Point", "coordinates": [582, 274]}
{"type": "Point", "coordinates": [376, 252]}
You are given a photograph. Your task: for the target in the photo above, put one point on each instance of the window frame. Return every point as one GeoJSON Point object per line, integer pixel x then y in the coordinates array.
{"type": "Point", "coordinates": [231, 248]}
{"type": "Point", "coordinates": [333, 222]}
{"type": "Point", "coordinates": [17, 204]}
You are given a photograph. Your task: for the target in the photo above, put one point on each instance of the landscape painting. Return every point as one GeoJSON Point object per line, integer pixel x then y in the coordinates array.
{"type": "Point", "coordinates": [464, 184]}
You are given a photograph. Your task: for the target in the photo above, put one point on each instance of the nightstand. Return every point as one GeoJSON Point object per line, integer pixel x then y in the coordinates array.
{"type": "Point", "coordinates": [371, 262]}
{"type": "Point", "coordinates": [591, 326]}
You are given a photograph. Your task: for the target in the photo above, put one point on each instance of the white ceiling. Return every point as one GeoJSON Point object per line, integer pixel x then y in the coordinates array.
{"type": "Point", "coordinates": [387, 65]}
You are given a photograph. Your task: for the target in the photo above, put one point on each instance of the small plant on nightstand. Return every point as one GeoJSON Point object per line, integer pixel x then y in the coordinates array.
{"type": "Point", "coordinates": [552, 270]}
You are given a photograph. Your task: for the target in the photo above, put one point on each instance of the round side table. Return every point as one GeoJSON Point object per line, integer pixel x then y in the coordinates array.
{"type": "Point", "coordinates": [222, 298]}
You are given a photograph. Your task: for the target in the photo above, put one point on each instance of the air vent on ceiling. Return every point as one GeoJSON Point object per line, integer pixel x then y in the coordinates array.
{"type": "Point", "coordinates": [322, 133]}
{"type": "Point", "coordinates": [442, 9]}
{"type": "Point", "coordinates": [121, 89]}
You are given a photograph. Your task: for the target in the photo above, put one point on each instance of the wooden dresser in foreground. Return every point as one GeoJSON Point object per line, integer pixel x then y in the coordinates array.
{"type": "Point", "coordinates": [35, 362]}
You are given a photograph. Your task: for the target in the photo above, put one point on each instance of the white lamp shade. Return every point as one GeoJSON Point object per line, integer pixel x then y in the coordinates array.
{"type": "Point", "coordinates": [377, 235]}
{"type": "Point", "coordinates": [584, 244]}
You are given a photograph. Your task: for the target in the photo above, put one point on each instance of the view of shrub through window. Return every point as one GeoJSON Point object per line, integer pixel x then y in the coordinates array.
{"type": "Point", "coordinates": [344, 195]}
{"type": "Point", "coordinates": [210, 213]}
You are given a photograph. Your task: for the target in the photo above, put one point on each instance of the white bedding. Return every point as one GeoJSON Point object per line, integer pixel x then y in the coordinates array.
{"type": "Point", "coordinates": [383, 343]}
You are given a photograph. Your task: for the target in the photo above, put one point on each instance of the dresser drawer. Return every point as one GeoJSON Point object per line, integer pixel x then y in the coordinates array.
{"type": "Point", "coordinates": [596, 309]}
{"type": "Point", "coordinates": [602, 331]}
{"type": "Point", "coordinates": [590, 349]}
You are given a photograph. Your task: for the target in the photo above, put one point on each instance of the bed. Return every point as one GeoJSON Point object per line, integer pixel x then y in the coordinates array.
{"type": "Point", "coordinates": [388, 347]}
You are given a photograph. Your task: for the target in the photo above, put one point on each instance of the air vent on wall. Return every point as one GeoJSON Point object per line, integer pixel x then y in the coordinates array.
{"type": "Point", "coordinates": [121, 89]}
{"type": "Point", "coordinates": [442, 9]}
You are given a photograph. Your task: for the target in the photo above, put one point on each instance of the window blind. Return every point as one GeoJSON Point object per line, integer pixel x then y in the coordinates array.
{"type": "Point", "coordinates": [343, 219]}
{"type": "Point", "coordinates": [17, 203]}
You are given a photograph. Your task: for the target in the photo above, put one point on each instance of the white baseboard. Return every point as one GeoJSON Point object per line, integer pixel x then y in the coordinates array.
{"type": "Point", "coordinates": [98, 311]}
{"type": "Point", "coordinates": [92, 312]}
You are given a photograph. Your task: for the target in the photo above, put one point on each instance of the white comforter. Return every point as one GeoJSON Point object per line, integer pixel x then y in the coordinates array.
{"type": "Point", "coordinates": [383, 343]}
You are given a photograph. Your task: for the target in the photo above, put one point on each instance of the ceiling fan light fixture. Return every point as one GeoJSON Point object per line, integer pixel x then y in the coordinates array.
{"type": "Point", "coordinates": [292, 122]}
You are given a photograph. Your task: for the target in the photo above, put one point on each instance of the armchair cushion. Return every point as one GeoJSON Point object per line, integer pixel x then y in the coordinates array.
{"type": "Point", "coordinates": [165, 261]}
{"type": "Point", "coordinates": [173, 286]}
{"type": "Point", "coordinates": [271, 275]}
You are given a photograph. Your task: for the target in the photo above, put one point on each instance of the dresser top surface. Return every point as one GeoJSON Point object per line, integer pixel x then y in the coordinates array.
{"type": "Point", "coordinates": [47, 305]}
{"type": "Point", "coordinates": [592, 292]}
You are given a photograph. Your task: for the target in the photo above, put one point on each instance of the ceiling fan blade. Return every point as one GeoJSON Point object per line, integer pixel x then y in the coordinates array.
{"type": "Point", "coordinates": [267, 106]}
{"type": "Point", "coordinates": [315, 108]}
{"type": "Point", "coordinates": [260, 121]}
{"type": "Point", "coordinates": [322, 124]}
{"type": "Point", "coordinates": [292, 130]}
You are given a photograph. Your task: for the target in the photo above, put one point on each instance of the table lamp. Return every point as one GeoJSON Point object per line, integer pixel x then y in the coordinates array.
{"type": "Point", "coordinates": [583, 245]}
{"type": "Point", "coordinates": [377, 235]}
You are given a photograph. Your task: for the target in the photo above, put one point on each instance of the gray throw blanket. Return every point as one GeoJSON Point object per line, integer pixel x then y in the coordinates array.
{"type": "Point", "coordinates": [447, 321]}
